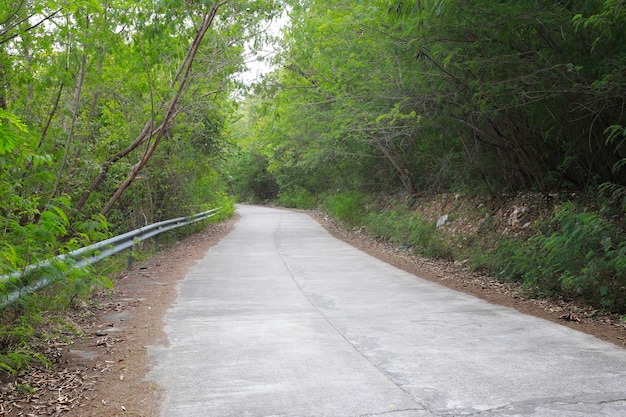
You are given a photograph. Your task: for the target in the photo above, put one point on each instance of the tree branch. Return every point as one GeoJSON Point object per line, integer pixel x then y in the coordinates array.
{"type": "Point", "coordinates": [183, 73]}
{"type": "Point", "coordinates": [15, 35]}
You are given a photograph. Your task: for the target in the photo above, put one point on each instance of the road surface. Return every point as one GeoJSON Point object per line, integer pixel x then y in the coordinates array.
{"type": "Point", "coordinates": [282, 319]}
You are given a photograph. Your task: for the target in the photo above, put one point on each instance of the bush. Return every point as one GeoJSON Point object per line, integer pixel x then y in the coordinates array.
{"type": "Point", "coordinates": [403, 228]}
{"type": "Point", "coordinates": [493, 260]}
{"type": "Point", "coordinates": [17, 329]}
{"type": "Point", "coordinates": [348, 207]}
{"type": "Point", "coordinates": [297, 198]}
{"type": "Point", "coordinates": [578, 254]}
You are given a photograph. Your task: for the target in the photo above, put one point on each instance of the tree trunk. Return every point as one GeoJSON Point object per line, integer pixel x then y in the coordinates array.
{"type": "Point", "coordinates": [403, 173]}
{"type": "Point", "coordinates": [183, 73]}
{"type": "Point", "coordinates": [145, 135]}
{"type": "Point", "coordinates": [70, 134]}
{"type": "Point", "coordinates": [53, 111]}
{"type": "Point", "coordinates": [3, 82]}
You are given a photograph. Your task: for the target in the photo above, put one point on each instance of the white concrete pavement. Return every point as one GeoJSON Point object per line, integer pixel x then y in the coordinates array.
{"type": "Point", "coordinates": [282, 319]}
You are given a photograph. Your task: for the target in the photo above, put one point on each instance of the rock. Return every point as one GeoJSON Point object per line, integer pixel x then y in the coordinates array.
{"type": "Point", "coordinates": [442, 220]}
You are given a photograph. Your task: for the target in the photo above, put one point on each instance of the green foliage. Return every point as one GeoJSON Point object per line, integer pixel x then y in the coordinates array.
{"type": "Point", "coordinates": [18, 359]}
{"type": "Point", "coordinates": [34, 231]}
{"type": "Point", "coordinates": [432, 96]}
{"type": "Point", "coordinates": [12, 130]}
{"type": "Point", "coordinates": [297, 198]}
{"type": "Point", "coordinates": [349, 207]}
{"type": "Point", "coordinates": [226, 204]}
{"type": "Point", "coordinates": [616, 137]}
{"type": "Point", "coordinates": [410, 230]}
{"type": "Point", "coordinates": [15, 352]}
{"type": "Point", "coordinates": [250, 180]}
{"type": "Point", "coordinates": [576, 253]}
{"type": "Point", "coordinates": [87, 86]}
{"type": "Point", "coordinates": [614, 194]}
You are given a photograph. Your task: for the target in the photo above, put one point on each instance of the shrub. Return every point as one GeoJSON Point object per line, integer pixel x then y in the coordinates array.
{"type": "Point", "coordinates": [297, 198]}
{"type": "Point", "coordinates": [403, 228]}
{"type": "Point", "coordinates": [348, 207]}
{"type": "Point", "coordinates": [15, 335]}
{"type": "Point", "coordinates": [579, 254]}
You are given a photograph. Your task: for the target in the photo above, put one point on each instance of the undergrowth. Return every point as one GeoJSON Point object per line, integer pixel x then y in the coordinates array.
{"type": "Point", "coordinates": [349, 207]}
{"type": "Point", "coordinates": [15, 334]}
{"type": "Point", "coordinates": [297, 198]}
{"type": "Point", "coordinates": [409, 230]}
{"type": "Point", "coordinates": [398, 224]}
{"type": "Point", "coordinates": [575, 253]}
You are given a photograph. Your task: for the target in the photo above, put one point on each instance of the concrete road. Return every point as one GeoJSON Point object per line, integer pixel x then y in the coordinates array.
{"type": "Point", "coordinates": [281, 319]}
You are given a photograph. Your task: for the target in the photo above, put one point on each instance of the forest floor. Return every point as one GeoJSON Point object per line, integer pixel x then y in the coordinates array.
{"type": "Point", "coordinates": [101, 372]}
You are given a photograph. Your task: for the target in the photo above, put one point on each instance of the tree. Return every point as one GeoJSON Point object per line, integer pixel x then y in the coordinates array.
{"type": "Point", "coordinates": [102, 85]}
{"type": "Point", "coordinates": [433, 95]}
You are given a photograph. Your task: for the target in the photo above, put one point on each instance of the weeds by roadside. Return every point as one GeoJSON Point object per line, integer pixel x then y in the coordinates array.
{"type": "Point", "coordinates": [574, 253]}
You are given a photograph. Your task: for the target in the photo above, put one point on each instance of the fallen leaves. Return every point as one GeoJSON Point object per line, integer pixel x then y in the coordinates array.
{"type": "Point", "coordinates": [40, 392]}
{"type": "Point", "coordinates": [108, 341]}
{"type": "Point", "coordinates": [570, 317]}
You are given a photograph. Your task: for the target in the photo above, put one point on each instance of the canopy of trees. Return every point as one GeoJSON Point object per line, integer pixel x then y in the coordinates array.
{"type": "Point", "coordinates": [438, 95]}
{"type": "Point", "coordinates": [113, 108]}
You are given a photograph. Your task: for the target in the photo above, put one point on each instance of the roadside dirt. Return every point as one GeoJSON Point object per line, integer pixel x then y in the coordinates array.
{"type": "Point", "coordinates": [102, 374]}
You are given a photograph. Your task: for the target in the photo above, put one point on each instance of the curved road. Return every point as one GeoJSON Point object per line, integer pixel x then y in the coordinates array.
{"type": "Point", "coordinates": [282, 319]}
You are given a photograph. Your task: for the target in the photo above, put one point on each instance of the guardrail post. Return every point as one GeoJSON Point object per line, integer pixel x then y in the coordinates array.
{"type": "Point", "coordinates": [130, 257]}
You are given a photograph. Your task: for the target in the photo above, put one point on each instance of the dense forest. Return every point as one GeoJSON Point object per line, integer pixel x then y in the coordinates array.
{"type": "Point", "coordinates": [116, 114]}
{"type": "Point", "coordinates": [439, 95]}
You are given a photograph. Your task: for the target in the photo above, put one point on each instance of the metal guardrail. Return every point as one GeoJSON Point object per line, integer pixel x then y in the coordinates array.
{"type": "Point", "coordinates": [91, 254]}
